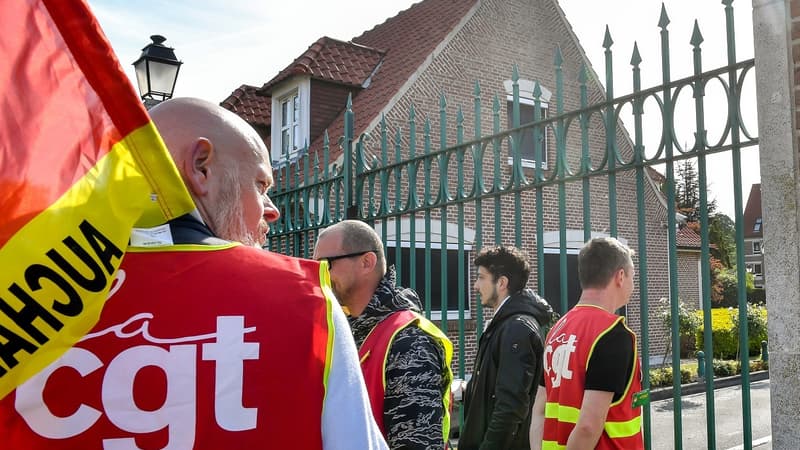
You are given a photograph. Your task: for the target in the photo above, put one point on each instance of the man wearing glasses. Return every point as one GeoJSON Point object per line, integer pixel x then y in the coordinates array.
{"type": "Point", "coordinates": [405, 358]}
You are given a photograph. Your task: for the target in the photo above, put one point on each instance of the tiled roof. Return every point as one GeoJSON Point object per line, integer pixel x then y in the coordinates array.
{"type": "Point", "coordinates": [250, 106]}
{"type": "Point", "coordinates": [387, 55]}
{"type": "Point", "coordinates": [686, 237]}
{"type": "Point", "coordinates": [752, 211]}
{"type": "Point", "coordinates": [332, 60]}
{"type": "Point", "coordinates": [407, 40]}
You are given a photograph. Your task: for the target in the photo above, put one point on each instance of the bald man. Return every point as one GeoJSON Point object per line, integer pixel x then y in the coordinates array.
{"type": "Point", "coordinates": [405, 358]}
{"type": "Point", "coordinates": [206, 341]}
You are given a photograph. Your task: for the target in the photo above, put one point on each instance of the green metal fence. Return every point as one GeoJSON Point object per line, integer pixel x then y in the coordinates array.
{"type": "Point", "coordinates": [463, 189]}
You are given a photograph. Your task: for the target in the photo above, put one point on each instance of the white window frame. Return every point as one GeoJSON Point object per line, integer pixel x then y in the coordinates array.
{"type": "Point", "coordinates": [435, 244]}
{"type": "Point", "coordinates": [290, 122]}
{"type": "Point", "coordinates": [298, 125]}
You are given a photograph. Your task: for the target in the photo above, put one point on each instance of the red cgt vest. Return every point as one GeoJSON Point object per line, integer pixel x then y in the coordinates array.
{"type": "Point", "coordinates": [568, 347]}
{"type": "Point", "coordinates": [375, 350]}
{"type": "Point", "coordinates": [184, 357]}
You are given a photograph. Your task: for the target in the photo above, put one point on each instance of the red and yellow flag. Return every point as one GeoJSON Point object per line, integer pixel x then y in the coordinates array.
{"type": "Point", "coordinates": [80, 164]}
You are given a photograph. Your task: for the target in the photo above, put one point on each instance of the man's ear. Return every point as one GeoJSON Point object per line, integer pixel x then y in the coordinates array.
{"type": "Point", "coordinates": [369, 261]}
{"type": "Point", "coordinates": [619, 277]}
{"type": "Point", "coordinates": [502, 281]}
{"type": "Point", "coordinates": [197, 166]}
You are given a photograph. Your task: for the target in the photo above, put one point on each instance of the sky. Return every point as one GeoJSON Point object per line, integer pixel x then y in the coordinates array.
{"type": "Point", "coordinates": [224, 44]}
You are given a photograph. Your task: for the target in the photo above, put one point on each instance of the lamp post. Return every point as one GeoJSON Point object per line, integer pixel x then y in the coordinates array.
{"type": "Point", "coordinates": [156, 71]}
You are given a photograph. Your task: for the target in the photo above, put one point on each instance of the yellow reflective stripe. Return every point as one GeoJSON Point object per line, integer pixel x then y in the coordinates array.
{"type": "Point", "coordinates": [624, 429]}
{"type": "Point", "coordinates": [568, 414]}
{"type": "Point", "coordinates": [428, 326]}
{"type": "Point", "coordinates": [183, 248]}
{"type": "Point", "coordinates": [552, 445]}
{"type": "Point", "coordinates": [327, 292]}
{"type": "Point", "coordinates": [562, 413]}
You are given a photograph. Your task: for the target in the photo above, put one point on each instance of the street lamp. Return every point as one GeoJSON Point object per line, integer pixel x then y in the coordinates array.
{"type": "Point", "coordinates": [156, 71]}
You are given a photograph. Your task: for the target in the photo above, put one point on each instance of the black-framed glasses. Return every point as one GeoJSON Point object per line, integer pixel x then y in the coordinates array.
{"type": "Point", "coordinates": [331, 259]}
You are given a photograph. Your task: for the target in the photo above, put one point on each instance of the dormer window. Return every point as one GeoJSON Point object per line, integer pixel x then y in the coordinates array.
{"type": "Point", "coordinates": [757, 225]}
{"type": "Point", "coordinates": [290, 120]}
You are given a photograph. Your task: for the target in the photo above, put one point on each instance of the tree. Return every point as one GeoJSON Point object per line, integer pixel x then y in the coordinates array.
{"type": "Point", "coordinates": [728, 280]}
{"type": "Point", "coordinates": [721, 233]}
{"type": "Point", "coordinates": [687, 193]}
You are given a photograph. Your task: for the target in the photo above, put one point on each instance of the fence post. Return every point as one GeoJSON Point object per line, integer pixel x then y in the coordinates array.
{"type": "Point", "coordinates": [350, 209]}
{"type": "Point", "coordinates": [780, 173]}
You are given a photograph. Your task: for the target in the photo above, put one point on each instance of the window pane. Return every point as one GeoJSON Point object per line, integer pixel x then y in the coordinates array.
{"type": "Point", "coordinates": [552, 281]}
{"type": "Point", "coordinates": [526, 143]}
{"type": "Point", "coordinates": [435, 276]}
{"type": "Point", "coordinates": [296, 141]}
{"type": "Point", "coordinates": [296, 108]}
{"type": "Point", "coordinates": [284, 113]}
{"type": "Point", "coordinates": [285, 141]}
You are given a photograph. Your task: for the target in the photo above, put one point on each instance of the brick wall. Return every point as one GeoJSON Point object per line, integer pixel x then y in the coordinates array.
{"type": "Point", "coordinates": [689, 278]}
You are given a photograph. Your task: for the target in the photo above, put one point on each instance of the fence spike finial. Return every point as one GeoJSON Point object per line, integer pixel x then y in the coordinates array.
{"type": "Point", "coordinates": [559, 59]}
{"type": "Point", "coordinates": [514, 73]}
{"type": "Point", "coordinates": [663, 20]}
{"type": "Point", "coordinates": [607, 41]}
{"type": "Point", "coordinates": [442, 101]}
{"type": "Point", "coordinates": [636, 59]}
{"type": "Point", "coordinates": [477, 91]}
{"type": "Point", "coordinates": [582, 74]}
{"type": "Point", "coordinates": [537, 90]}
{"type": "Point", "coordinates": [697, 37]}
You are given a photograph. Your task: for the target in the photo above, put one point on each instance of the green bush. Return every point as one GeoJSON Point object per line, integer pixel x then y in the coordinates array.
{"type": "Point", "coordinates": [724, 337]}
{"type": "Point", "coordinates": [756, 327]}
{"type": "Point", "coordinates": [730, 286]}
{"type": "Point", "coordinates": [663, 376]}
{"type": "Point", "coordinates": [758, 364]}
{"type": "Point", "coordinates": [725, 368]}
{"type": "Point", "coordinates": [757, 297]}
{"type": "Point", "coordinates": [688, 322]}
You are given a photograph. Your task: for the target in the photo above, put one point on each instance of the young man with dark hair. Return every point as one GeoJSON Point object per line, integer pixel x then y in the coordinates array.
{"type": "Point", "coordinates": [508, 365]}
{"type": "Point", "coordinates": [590, 361]}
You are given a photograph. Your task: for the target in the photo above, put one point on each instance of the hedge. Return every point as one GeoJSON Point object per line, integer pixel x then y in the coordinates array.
{"type": "Point", "coordinates": [725, 331]}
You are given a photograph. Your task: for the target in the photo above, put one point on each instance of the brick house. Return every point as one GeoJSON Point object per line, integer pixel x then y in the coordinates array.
{"type": "Point", "coordinates": [754, 236]}
{"type": "Point", "coordinates": [443, 47]}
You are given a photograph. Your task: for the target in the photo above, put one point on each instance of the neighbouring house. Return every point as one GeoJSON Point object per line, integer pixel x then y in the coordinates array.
{"type": "Point", "coordinates": [754, 236]}
{"type": "Point", "coordinates": [443, 47]}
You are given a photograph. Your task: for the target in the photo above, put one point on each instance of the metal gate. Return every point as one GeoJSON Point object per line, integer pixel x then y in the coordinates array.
{"type": "Point", "coordinates": [439, 191]}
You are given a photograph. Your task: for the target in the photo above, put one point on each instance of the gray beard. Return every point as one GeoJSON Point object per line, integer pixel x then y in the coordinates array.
{"type": "Point", "coordinates": [227, 219]}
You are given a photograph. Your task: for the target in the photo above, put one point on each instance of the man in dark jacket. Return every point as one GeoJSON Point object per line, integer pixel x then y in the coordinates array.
{"type": "Point", "coordinates": [404, 357]}
{"type": "Point", "coordinates": [508, 366]}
